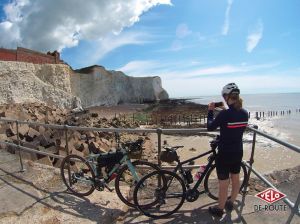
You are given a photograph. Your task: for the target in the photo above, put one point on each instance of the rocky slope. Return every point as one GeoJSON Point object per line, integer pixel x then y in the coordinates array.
{"type": "Point", "coordinates": [59, 85]}
{"type": "Point", "coordinates": [53, 140]}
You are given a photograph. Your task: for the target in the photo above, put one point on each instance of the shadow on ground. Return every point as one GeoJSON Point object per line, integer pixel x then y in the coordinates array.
{"type": "Point", "coordinates": [58, 200]}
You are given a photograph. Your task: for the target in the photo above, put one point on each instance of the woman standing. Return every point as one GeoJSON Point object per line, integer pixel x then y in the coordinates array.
{"type": "Point", "coordinates": [232, 123]}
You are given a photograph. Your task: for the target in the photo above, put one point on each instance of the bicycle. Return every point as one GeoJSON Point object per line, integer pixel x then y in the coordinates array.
{"type": "Point", "coordinates": [161, 193]}
{"type": "Point", "coordinates": [83, 175]}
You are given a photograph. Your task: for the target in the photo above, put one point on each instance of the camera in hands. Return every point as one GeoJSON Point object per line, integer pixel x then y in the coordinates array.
{"type": "Point", "coordinates": [219, 104]}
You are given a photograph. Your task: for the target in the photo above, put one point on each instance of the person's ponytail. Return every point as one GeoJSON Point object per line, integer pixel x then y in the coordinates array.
{"type": "Point", "coordinates": [238, 102]}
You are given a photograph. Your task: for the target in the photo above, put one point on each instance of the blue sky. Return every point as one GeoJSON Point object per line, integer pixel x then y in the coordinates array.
{"type": "Point", "coordinates": [195, 46]}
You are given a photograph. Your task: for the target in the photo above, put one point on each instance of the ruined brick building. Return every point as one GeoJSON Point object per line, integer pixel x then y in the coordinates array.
{"type": "Point", "coordinates": [27, 55]}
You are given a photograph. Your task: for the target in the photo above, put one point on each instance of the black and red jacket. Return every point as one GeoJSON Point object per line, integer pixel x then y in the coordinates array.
{"type": "Point", "coordinates": [232, 123]}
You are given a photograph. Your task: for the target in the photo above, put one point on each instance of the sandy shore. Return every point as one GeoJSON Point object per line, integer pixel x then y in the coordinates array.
{"type": "Point", "coordinates": [266, 159]}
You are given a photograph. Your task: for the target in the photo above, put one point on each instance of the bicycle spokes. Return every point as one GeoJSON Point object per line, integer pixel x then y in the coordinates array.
{"type": "Point", "coordinates": [77, 175]}
{"type": "Point", "coordinates": [160, 194]}
{"type": "Point", "coordinates": [128, 178]}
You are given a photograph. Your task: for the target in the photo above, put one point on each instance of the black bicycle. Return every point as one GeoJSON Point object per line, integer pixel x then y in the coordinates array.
{"type": "Point", "coordinates": [161, 193]}
{"type": "Point", "coordinates": [83, 175]}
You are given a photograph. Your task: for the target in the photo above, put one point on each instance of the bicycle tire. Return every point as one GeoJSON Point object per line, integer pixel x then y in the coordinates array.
{"type": "Point", "coordinates": [125, 195]}
{"type": "Point", "coordinates": [160, 195]}
{"type": "Point", "coordinates": [87, 188]}
{"type": "Point", "coordinates": [211, 184]}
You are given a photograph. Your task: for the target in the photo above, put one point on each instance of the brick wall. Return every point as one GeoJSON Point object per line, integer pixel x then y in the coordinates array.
{"type": "Point", "coordinates": [8, 55]}
{"type": "Point", "coordinates": [27, 55]}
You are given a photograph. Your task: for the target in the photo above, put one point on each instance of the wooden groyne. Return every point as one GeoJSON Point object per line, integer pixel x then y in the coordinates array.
{"type": "Point", "coordinates": [170, 119]}
{"type": "Point", "coordinates": [188, 119]}
{"type": "Point", "coordinates": [268, 114]}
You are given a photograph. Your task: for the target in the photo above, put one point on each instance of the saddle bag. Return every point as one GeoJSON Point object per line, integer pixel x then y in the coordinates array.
{"type": "Point", "coordinates": [168, 156]}
{"type": "Point", "coordinates": [135, 149]}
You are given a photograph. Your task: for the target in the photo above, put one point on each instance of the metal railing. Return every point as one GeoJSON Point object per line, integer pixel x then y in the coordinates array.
{"type": "Point", "coordinates": [294, 206]}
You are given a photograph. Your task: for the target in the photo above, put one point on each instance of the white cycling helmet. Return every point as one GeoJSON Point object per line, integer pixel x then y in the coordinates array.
{"type": "Point", "coordinates": [230, 88]}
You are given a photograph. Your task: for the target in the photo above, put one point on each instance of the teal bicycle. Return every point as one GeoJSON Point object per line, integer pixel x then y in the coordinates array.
{"type": "Point", "coordinates": [83, 175]}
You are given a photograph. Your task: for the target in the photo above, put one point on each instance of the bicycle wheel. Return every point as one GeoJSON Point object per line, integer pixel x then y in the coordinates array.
{"type": "Point", "coordinates": [159, 194]}
{"type": "Point", "coordinates": [80, 178]}
{"type": "Point", "coordinates": [125, 182]}
{"type": "Point", "coordinates": [211, 183]}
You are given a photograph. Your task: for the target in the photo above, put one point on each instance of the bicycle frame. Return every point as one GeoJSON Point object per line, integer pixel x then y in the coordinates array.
{"type": "Point", "coordinates": [91, 159]}
{"type": "Point", "coordinates": [210, 162]}
{"type": "Point", "coordinates": [124, 160]}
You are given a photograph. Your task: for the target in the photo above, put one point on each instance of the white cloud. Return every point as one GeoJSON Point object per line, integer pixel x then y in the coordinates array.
{"type": "Point", "coordinates": [10, 35]}
{"type": "Point", "coordinates": [196, 72]}
{"type": "Point", "coordinates": [144, 68]}
{"type": "Point", "coordinates": [254, 37]}
{"type": "Point", "coordinates": [182, 31]}
{"type": "Point", "coordinates": [98, 49]}
{"type": "Point", "coordinates": [187, 79]}
{"type": "Point", "coordinates": [250, 83]}
{"type": "Point", "coordinates": [189, 69]}
{"type": "Point", "coordinates": [57, 24]}
{"type": "Point", "coordinates": [225, 27]}
{"type": "Point", "coordinates": [157, 67]}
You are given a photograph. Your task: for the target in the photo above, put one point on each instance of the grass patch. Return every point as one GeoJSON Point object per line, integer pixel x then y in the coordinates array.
{"type": "Point", "coordinates": [141, 117]}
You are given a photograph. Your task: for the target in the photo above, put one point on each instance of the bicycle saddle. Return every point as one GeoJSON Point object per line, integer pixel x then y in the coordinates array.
{"type": "Point", "coordinates": [171, 148]}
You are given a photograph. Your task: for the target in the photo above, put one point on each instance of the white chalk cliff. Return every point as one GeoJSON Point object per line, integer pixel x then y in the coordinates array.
{"type": "Point", "coordinates": [59, 85]}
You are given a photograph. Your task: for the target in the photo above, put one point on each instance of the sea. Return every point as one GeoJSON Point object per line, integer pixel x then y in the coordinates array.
{"type": "Point", "coordinates": [284, 127]}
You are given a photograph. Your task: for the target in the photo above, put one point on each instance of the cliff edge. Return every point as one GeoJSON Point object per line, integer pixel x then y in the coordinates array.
{"type": "Point", "coordinates": [59, 85]}
{"type": "Point", "coordinates": [96, 86]}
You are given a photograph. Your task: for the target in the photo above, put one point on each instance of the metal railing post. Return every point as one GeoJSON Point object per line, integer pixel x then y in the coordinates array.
{"type": "Point", "coordinates": [294, 210]}
{"type": "Point", "coordinates": [19, 149]}
{"type": "Point", "coordinates": [66, 139]}
{"type": "Point", "coordinates": [67, 151]}
{"type": "Point", "coordinates": [251, 161]}
{"type": "Point", "coordinates": [159, 132]}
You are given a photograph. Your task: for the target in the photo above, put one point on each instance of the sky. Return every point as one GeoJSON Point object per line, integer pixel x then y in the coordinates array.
{"type": "Point", "coordinates": [195, 46]}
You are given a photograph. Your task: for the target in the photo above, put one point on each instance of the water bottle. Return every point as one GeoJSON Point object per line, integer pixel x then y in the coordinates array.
{"type": "Point", "coordinates": [200, 172]}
